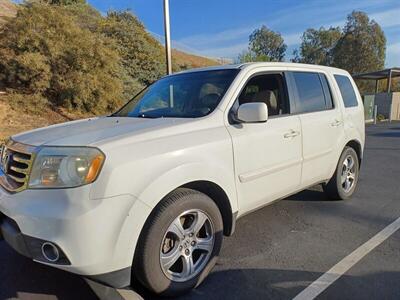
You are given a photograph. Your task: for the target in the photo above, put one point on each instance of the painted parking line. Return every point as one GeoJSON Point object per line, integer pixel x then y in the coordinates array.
{"type": "Point", "coordinates": [323, 282]}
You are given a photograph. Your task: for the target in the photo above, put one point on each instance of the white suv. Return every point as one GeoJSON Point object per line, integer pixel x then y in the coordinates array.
{"type": "Point", "coordinates": [148, 192]}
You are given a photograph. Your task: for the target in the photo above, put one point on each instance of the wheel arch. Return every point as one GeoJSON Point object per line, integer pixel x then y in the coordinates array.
{"type": "Point", "coordinates": [208, 179]}
{"type": "Point", "coordinates": [221, 199]}
{"type": "Point", "coordinates": [356, 145]}
{"type": "Point", "coordinates": [216, 193]}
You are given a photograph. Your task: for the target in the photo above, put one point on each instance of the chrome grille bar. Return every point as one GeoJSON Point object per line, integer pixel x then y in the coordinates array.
{"type": "Point", "coordinates": [19, 170]}
{"type": "Point", "coordinates": [17, 179]}
{"type": "Point", "coordinates": [21, 160]}
{"type": "Point", "coordinates": [15, 166]}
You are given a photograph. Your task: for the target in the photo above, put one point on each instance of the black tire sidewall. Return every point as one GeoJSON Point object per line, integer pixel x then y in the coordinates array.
{"type": "Point", "coordinates": [148, 268]}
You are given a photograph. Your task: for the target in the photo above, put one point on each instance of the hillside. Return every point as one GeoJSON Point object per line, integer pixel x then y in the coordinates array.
{"type": "Point", "coordinates": [7, 9]}
{"type": "Point", "coordinates": [12, 123]}
{"type": "Point", "coordinates": [18, 101]}
{"type": "Point", "coordinates": [182, 59]}
{"type": "Point", "coordinates": [194, 61]}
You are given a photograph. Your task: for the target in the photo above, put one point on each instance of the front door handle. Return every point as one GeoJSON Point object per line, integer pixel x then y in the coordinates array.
{"type": "Point", "coordinates": [291, 134]}
{"type": "Point", "coordinates": [336, 123]}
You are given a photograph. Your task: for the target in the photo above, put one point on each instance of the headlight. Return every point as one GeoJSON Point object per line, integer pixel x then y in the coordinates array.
{"type": "Point", "coordinates": [65, 167]}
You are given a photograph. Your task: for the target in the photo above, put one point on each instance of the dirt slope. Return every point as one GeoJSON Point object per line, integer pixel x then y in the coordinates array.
{"type": "Point", "coordinates": [15, 120]}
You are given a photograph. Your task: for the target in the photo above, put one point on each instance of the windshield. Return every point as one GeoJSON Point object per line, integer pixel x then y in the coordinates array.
{"type": "Point", "coordinates": [187, 95]}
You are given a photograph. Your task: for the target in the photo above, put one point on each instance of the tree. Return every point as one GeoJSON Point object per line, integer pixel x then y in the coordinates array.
{"type": "Point", "coordinates": [266, 45]}
{"type": "Point", "coordinates": [317, 46]}
{"type": "Point", "coordinates": [248, 56]}
{"type": "Point", "coordinates": [362, 46]}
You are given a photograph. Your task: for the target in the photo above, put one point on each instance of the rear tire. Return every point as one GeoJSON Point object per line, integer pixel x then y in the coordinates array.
{"type": "Point", "coordinates": [344, 181]}
{"type": "Point", "coordinates": [179, 244]}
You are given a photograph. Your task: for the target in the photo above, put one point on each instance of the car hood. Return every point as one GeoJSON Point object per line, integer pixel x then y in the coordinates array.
{"type": "Point", "coordinates": [94, 131]}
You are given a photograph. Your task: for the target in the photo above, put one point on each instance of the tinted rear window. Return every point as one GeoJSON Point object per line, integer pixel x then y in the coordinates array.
{"type": "Point", "coordinates": [346, 90]}
{"type": "Point", "coordinates": [310, 92]}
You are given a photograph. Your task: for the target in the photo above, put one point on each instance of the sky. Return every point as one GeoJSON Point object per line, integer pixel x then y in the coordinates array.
{"type": "Point", "coordinates": [221, 28]}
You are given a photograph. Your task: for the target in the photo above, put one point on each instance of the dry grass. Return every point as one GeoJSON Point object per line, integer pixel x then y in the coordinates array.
{"type": "Point", "coordinates": [194, 61]}
{"type": "Point", "coordinates": [7, 9]}
{"type": "Point", "coordinates": [14, 120]}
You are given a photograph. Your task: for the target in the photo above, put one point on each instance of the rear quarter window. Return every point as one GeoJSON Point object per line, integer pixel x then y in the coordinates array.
{"type": "Point", "coordinates": [347, 91]}
{"type": "Point", "coordinates": [327, 91]}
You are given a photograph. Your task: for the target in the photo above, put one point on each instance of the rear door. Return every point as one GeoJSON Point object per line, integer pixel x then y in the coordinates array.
{"type": "Point", "coordinates": [322, 125]}
{"type": "Point", "coordinates": [267, 155]}
{"type": "Point", "coordinates": [353, 106]}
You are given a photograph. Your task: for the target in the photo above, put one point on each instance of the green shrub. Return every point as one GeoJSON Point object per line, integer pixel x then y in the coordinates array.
{"type": "Point", "coordinates": [67, 52]}
{"type": "Point", "coordinates": [380, 117]}
{"type": "Point", "coordinates": [142, 56]}
{"type": "Point", "coordinates": [28, 103]}
{"type": "Point", "coordinates": [44, 51]}
{"type": "Point", "coordinates": [27, 71]}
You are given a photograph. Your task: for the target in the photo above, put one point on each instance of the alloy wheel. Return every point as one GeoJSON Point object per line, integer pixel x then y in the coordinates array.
{"type": "Point", "coordinates": [349, 174]}
{"type": "Point", "coordinates": [187, 245]}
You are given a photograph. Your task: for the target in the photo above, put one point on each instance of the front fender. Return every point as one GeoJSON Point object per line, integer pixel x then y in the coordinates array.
{"type": "Point", "coordinates": [183, 174]}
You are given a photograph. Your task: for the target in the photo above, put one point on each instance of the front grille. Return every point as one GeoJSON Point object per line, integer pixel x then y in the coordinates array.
{"type": "Point", "coordinates": [15, 164]}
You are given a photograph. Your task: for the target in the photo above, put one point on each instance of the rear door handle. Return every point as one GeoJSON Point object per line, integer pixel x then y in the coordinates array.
{"type": "Point", "coordinates": [336, 123]}
{"type": "Point", "coordinates": [291, 134]}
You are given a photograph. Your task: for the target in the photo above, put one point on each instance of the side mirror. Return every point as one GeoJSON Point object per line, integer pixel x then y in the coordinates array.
{"type": "Point", "coordinates": [253, 112]}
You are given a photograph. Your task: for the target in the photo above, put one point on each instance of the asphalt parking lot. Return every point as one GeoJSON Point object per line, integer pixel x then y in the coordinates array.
{"type": "Point", "coordinates": [281, 249]}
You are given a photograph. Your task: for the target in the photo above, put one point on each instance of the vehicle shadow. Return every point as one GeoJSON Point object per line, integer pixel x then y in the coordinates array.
{"type": "Point", "coordinates": [252, 283]}
{"type": "Point", "coordinates": [286, 284]}
{"type": "Point", "coordinates": [28, 280]}
{"type": "Point", "coordinates": [21, 278]}
{"type": "Point", "coordinates": [314, 193]}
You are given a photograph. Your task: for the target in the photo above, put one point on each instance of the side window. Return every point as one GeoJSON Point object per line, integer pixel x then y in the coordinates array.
{"type": "Point", "coordinates": [310, 92]}
{"type": "Point", "coordinates": [347, 91]}
{"type": "Point", "coordinates": [267, 88]}
{"type": "Point", "coordinates": [327, 91]}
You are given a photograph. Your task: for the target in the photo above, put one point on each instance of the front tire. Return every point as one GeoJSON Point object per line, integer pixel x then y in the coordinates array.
{"type": "Point", "coordinates": [344, 181]}
{"type": "Point", "coordinates": [179, 244]}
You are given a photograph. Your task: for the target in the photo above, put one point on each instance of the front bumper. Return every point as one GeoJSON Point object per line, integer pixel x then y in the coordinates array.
{"type": "Point", "coordinates": [26, 245]}
{"type": "Point", "coordinates": [12, 236]}
{"type": "Point", "coordinates": [96, 237]}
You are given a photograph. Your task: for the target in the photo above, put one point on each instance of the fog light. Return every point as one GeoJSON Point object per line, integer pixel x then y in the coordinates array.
{"type": "Point", "coordinates": [50, 252]}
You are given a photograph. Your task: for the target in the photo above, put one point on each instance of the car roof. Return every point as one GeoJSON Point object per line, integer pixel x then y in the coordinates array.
{"type": "Point", "coordinates": [252, 65]}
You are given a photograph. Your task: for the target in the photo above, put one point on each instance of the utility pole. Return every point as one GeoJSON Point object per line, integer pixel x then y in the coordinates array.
{"type": "Point", "coordinates": [167, 37]}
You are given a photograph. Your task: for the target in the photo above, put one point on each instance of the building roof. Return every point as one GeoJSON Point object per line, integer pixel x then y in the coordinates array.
{"type": "Point", "coordinates": [377, 75]}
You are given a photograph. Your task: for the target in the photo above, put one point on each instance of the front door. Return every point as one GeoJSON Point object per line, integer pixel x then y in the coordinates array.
{"type": "Point", "coordinates": [267, 156]}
